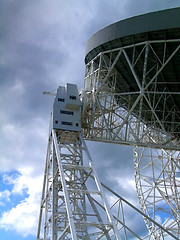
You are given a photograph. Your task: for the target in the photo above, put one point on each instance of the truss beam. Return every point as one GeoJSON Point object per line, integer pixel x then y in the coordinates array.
{"type": "Point", "coordinates": [158, 186]}
{"type": "Point", "coordinates": [128, 100]}
{"type": "Point", "coordinates": [68, 210]}
{"type": "Point", "coordinates": [149, 115]}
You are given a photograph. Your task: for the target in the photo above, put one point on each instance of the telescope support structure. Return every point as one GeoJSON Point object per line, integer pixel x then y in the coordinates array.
{"type": "Point", "coordinates": [70, 207]}
{"type": "Point", "coordinates": [147, 118]}
{"type": "Point", "coordinates": [73, 203]}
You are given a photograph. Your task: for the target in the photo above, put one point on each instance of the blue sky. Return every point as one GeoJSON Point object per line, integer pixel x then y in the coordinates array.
{"type": "Point", "coordinates": [42, 46]}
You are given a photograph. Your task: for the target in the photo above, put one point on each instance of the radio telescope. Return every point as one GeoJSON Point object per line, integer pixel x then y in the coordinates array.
{"type": "Point", "coordinates": [131, 96]}
{"type": "Point", "coordinates": [132, 91]}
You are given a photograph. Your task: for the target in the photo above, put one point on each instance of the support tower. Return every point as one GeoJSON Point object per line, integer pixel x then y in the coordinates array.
{"type": "Point", "coordinates": [132, 96]}
{"type": "Point", "coordinates": [73, 204]}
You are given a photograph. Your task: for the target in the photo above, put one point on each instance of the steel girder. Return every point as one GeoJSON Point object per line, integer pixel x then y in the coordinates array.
{"type": "Point", "coordinates": [147, 118]}
{"type": "Point", "coordinates": [157, 177]}
{"type": "Point", "coordinates": [73, 204]}
{"type": "Point", "coordinates": [113, 112]}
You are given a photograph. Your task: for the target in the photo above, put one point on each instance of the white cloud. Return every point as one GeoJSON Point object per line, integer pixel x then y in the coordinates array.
{"type": "Point", "coordinates": [24, 145]}
{"type": "Point", "coordinates": [4, 196]}
{"type": "Point", "coordinates": [126, 183]}
{"type": "Point", "coordinates": [23, 217]}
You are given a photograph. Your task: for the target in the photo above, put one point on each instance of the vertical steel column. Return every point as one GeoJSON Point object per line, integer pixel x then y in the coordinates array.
{"type": "Point", "coordinates": [64, 186]}
{"type": "Point", "coordinates": [54, 194]}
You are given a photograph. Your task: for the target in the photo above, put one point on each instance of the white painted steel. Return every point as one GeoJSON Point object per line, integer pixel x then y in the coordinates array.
{"type": "Point", "coordinates": [157, 176]}
{"type": "Point", "coordinates": [69, 208]}
{"type": "Point", "coordinates": [73, 204]}
{"type": "Point", "coordinates": [104, 119]}
{"type": "Point", "coordinates": [117, 117]}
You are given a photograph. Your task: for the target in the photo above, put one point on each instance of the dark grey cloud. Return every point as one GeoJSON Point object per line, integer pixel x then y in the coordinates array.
{"type": "Point", "coordinates": [108, 12]}
{"type": "Point", "coordinates": [42, 46]}
{"type": "Point", "coordinates": [115, 167]}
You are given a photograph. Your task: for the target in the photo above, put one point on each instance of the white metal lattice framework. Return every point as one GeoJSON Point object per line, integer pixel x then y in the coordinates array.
{"type": "Point", "coordinates": [148, 119]}
{"type": "Point", "coordinates": [158, 187]}
{"type": "Point", "coordinates": [73, 205]}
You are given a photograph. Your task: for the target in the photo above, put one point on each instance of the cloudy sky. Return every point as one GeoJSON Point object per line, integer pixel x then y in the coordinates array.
{"type": "Point", "coordinates": [42, 46]}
